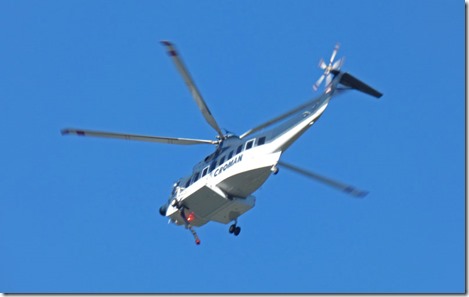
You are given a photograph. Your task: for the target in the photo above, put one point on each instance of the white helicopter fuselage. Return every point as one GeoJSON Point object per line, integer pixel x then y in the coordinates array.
{"type": "Point", "coordinates": [221, 186]}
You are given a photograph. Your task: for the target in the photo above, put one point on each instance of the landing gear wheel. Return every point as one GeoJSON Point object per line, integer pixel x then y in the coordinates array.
{"type": "Point", "coordinates": [237, 230]}
{"type": "Point", "coordinates": [232, 229]}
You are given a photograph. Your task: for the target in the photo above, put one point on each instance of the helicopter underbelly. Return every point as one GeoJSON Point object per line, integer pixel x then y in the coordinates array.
{"type": "Point", "coordinates": [206, 205]}
{"type": "Point", "coordinates": [228, 196]}
{"type": "Point", "coordinates": [245, 183]}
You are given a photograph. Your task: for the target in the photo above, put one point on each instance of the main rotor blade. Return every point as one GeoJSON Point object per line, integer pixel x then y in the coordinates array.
{"type": "Point", "coordinates": [348, 189]}
{"type": "Point", "coordinates": [192, 87]}
{"type": "Point", "coordinates": [279, 118]}
{"type": "Point", "coordinates": [168, 140]}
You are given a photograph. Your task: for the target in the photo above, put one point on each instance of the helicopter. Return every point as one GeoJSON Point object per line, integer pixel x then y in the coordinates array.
{"type": "Point", "coordinates": [221, 186]}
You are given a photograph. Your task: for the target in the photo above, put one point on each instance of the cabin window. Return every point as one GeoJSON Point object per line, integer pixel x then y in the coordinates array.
{"type": "Point", "coordinates": [204, 172]}
{"type": "Point", "coordinates": [213, 165]}
{"type": "Point", "coordinates": [188, 182]}
{"type": "Point", "coordinates": [239, 149]}
{"type": "Point", "coordinates": [230, 155]}
{"type": "Point", "coordinates": [222, 160]}
{"type": "Point", "coordinates": [196, 177]}
{"type": "Point", "coordinates": [261, 141]}
{"type": "Point", "coordinates": [249, 144]}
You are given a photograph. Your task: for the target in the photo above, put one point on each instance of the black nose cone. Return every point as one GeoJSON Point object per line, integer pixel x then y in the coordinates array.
{"type": "Point", "coordinates": [163, 210]}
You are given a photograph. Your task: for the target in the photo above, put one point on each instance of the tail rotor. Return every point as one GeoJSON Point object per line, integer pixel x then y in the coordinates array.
{"type": "Point", "coordinates": [329, 68]}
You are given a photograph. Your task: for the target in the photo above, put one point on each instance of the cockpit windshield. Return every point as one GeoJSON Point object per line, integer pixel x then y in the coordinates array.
{"type": "Point", "coordinates": [176, 188]}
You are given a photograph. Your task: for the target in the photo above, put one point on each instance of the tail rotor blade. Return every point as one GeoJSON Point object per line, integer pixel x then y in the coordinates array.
{"type": "Point", "coordinates": [322, 64]}
{"type": "Point", "coordinates": [338, 64]}
{"type": "Point", "coordinates": [348, 189]}
{"type": "Point", "coordinates": [334, 53]}
{"type": "Point", "coordinates": [328, 79]}
{"type": "Point", "coordinates": [318, 83]}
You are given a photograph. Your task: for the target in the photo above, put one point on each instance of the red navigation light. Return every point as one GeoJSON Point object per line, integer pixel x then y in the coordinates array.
{"type": "Point", "coordinates": [191, 217]}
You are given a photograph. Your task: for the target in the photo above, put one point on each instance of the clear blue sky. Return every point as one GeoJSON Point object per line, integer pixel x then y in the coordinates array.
{"type": "Point", "coordinates": [81, 215]}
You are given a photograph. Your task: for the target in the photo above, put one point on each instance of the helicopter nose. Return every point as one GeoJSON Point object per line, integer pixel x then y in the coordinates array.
{"type": "Point", "coordinates": [163, 209]}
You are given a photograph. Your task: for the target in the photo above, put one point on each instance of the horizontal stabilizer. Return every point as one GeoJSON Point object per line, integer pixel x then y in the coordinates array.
{"type": "Point", "coordinates": [354, 83]}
